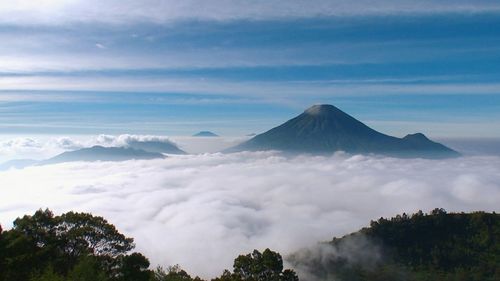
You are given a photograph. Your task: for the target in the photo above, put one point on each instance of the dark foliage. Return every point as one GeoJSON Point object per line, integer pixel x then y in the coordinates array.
{"type": "Point", "coordinates": [83, 247]}
{"type": "Point", "coordinates": [134, 267]}
{"type": "Point", "coordinates": [173, 273]}
{"type": "Point", "coordinates": [441, 241]}
{"type": "Point", "coordinates": [79, 245]}
{"type": "Point", "coordinates": [257, 266]}
{"type": "Point", "coordinates": [431, 247]}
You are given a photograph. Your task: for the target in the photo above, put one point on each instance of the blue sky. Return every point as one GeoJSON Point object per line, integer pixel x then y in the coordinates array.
{"type": "Point", "coordinates": [237, 67]}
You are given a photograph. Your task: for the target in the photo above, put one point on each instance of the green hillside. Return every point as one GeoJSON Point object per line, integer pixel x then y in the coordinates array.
{"type": "Point", "coordinates": [435, 246]}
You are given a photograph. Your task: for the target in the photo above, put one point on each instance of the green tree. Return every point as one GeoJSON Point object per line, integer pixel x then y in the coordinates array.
{"type": "Point", "coordinates": [173, 273]}
{"type": "Point", "coordinates": [134, 267]}
{"type": "Point", "coordinates": [87, 269]}
{"type": "Point", "coordinates": [47, 275]}
{"type": "Point", "coordinates": [226, 276]}
{"type": "Point", "coordinates": [257, 266]}
{"type": "Point", "coordinates": [2, 254]}
{"type": "Point", "coordinates": [32, 244]}
{"type": "Point", "coordinates": [84, 233]}
{"type": "Point", "coordinates": [22, 256]}
{"type": "Point", "coordinates": [42, 240]}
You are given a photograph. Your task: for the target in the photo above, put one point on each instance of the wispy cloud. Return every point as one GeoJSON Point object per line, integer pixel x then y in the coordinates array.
{"type": "Point", "coordinates": [100, 46]}
{"type": "Point", "coordinates": [52, 12]}
{"type": "Point", "coordinates": [264, 90]}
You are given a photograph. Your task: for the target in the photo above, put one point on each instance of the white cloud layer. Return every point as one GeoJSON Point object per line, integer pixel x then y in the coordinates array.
{"type": "Point", "coordinates": [30, 12]}
{"type": "Point", "coordinates": [126, 139]}
{"type": "Point", "coordinates": [32, 148]}
{"type": "Point", "coordinates": [203, 210]}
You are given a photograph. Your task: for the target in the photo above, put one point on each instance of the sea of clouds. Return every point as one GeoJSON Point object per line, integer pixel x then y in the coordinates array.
{"type": "Point", "coordinates": [201, 211]}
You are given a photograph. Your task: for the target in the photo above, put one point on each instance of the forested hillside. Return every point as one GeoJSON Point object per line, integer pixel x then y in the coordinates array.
{"type": "Point", "coordinates": [436, 246]}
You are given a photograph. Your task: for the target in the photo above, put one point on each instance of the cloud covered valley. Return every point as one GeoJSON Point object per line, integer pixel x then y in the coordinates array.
{"type": "Point", "coordinates": [201, 211]}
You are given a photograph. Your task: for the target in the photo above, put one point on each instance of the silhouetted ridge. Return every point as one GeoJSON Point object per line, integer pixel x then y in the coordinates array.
{"type": "Point", "coordinates": [205, 134]}
{"type": "Point", "coordinates": [100, 153]}
{"type": "Point", "coordinates": [325, 128]}
{"type": "Point", "coordinates": [156, 146]}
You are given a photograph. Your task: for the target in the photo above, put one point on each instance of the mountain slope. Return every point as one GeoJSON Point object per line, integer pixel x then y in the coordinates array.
{"type": "Point", "coordinates": [325, 128]}
{"type": "Point", "coordinates": [100, 153]}
{"type": "Point", "coordinates": [156, 146]}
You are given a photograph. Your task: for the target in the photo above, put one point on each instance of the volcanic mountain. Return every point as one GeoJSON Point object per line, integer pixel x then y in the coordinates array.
{"type": "Point", "coordinates": [325, 129]}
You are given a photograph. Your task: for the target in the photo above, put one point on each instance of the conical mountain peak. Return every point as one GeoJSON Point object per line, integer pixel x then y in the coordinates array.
{"type": "Point", "coordinates": [322, 109]}
{"type": "Point", "coordinates": [323, 128]}
{"type": "Point", "coordinates": [416, 136]}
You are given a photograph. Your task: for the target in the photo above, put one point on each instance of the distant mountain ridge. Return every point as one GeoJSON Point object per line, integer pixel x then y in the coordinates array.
{"type": "Point", "coordinates": [101, 153]}
{"type": "Point", "coordinates": [325, 129]}
{"type": "Point", "coordinates": [205, 134]}
{"type": "Point", "coordinates": [132, 149]}
{"type": "Point", "coordinates": [155, 146]}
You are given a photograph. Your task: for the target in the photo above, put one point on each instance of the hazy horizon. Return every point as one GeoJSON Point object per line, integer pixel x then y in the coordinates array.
{"type": "Point", "coordinates": [39, 147]}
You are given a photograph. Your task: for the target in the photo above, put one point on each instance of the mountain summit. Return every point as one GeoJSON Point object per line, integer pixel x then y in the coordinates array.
{"type": "Point", "coordinates": [205, 134]}
{"type": "Point", "coordinates": [325, 129]}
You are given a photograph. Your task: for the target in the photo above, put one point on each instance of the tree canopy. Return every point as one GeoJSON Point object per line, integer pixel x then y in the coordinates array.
{"type": "Point", "coordinates": [42, 245]}
{"type": "Point", "coordinates": [257, 266]}
{"type": "Point", "coordinates": [82, 247]}
{"type": "Point", "coordinates": [431, 247]}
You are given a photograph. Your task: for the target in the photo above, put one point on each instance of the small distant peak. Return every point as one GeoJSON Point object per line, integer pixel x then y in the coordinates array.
{"type": "Point", "coordinates": [416, 136]}
{"type": "Point", "coordinates": [319, 109]}
{"type": "Point", "coordinates": [97, 147]}
{"type": "Point", "coordinates": [205, 134]}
